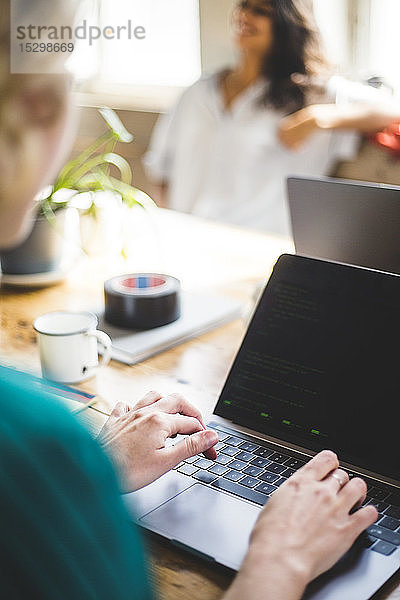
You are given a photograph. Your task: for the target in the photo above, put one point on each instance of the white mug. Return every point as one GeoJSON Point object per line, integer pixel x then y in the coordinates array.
{"type": "Point", "coordinates": [68, 345]}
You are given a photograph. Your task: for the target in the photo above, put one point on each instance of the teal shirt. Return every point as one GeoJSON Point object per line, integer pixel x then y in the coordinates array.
{"type": "Point", "coordinates": [64, 531]}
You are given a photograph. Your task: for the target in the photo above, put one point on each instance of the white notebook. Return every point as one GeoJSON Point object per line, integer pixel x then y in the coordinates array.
{"type": "Point", "coordinates": [201, 313]}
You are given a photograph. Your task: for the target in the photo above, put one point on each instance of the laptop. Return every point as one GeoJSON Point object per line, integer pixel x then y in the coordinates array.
{"type": "Point", "coordinates": [346, 221]}
{"type": "Point", "coordinates": [317, 368]}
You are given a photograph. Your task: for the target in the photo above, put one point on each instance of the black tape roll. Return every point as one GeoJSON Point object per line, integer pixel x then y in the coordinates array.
{"type": "Point", "coordinates": [142, 300]}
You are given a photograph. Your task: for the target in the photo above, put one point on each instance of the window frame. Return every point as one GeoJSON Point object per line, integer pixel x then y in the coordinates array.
{"type": "Point", "coordinates": [95, 91]}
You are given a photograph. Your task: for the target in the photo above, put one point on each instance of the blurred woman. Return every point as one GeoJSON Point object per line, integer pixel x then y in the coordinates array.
{"type": "Point", "coordinates": [225, 150]}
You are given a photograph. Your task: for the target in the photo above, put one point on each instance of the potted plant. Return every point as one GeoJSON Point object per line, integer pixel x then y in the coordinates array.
{"type": "Point", "coordinates": [96, 169]}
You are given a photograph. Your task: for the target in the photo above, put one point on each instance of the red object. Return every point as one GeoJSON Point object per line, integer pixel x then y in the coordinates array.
{"type": "Point", "coordinates": [389, 138]}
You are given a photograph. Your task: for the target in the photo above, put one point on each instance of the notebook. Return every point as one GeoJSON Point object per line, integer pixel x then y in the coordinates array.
{"type": "Point", "coordinates": [201, 312]}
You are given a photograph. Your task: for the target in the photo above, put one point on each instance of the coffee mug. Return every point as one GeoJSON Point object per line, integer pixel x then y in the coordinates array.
{"type": "Point", "coordinates": [68, 344]}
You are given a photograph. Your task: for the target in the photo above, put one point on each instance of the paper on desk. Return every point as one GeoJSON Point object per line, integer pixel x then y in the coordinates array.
{"type": "Point", "coordinates": [77, 401]}
{"type": "Point", "coordinates": [201, 312]}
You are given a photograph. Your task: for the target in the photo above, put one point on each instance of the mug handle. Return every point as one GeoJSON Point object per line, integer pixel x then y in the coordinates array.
{"type": "Point", "coordinates": [104, 340]}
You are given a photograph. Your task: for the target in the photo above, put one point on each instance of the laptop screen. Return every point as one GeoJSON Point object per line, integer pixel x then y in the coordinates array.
{"type": "Point", "coordinates": [319, 365]}
{"type": "Point", "coordinates": [328, 215]}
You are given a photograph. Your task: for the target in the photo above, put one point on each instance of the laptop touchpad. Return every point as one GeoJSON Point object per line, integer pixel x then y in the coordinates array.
{"type": "Point", "coordinates": [206, 520]}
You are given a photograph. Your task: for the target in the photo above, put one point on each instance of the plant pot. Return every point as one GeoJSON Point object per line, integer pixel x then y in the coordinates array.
{"type": "Point", "coordinates": [41, 252]}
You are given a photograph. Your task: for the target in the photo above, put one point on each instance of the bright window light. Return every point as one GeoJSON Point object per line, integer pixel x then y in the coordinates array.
{"type": "Point", "coordinates": [169, 54]}
{"type": "Point", "coordinates": [85, 60]}
{"type": "Point", "coordinates": [332, 20]}
{"type": "Point", "coordinates": [142, 43]}
{"type": "Point", "coordinates": [384, 40]}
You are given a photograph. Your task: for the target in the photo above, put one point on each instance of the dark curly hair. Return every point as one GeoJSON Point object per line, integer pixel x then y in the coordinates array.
{"type": "Point", "coordinates": [297, 48]}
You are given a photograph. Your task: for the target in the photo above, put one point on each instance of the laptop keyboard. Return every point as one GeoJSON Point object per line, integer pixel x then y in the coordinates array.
{"type": "Point", "coordinates": [254, 472]}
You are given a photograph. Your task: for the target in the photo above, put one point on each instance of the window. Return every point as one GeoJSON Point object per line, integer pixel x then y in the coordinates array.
{"type": "Point", "coordinates": [361, 37]}
{"type": "Point", "coordinates": [332, 19]}
{"type": "Point", "coordinates": [383, 40]}
{"type": "Point", "coordinates": [162, 47]}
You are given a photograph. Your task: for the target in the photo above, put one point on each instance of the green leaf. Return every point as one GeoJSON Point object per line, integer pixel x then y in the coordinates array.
{"type": "Point", "coordinates": [115, 124]}
{"type": "Point", "coordinates": [97, 161]}
{"type": "Point", "coordinates": [121, 164]}
{"type": "Point", "coordinates": [131, 195]}
{"type": "Point", "coordinates": [109, 149]}
{"type": "Point", "coordinates": [71, 166]}
{"type": "Point", "coordinates": [90, 171]}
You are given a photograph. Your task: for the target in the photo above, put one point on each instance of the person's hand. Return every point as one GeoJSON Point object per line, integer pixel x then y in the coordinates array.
{"type": "Point", "coordinates": [304, 529]}
{"type": "Point", "coordinates": [135, 437]}
{"type": "Point", "coordinates": [295, 129]}
{"type": "Point", "coordinates": [362, 117]}
{"type": "Point", "coordinates": [309, 515]}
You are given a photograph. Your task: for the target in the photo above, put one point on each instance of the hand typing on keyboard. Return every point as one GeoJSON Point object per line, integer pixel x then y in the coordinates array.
{"type": "Point", "coordinates": [305, 527]}
{"type": "Point", "coordinates": [136, 438]}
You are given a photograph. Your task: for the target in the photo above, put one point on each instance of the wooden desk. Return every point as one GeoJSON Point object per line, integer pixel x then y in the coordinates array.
{"type": "Point", "coordinates": [203, 255]}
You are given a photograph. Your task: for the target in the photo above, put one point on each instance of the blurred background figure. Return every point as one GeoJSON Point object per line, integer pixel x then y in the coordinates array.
{"type": "Point", "coordinates": [224, 151]}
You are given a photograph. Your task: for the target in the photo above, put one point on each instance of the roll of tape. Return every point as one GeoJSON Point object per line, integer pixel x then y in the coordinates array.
{"type": "Point", "coordinates": [142, 300]}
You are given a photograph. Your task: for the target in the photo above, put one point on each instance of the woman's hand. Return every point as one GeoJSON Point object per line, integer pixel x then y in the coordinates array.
{"type": "Point", "coordinates": [135, 438]}
{"type": "Point", "coordinates": [303, 530]}
{"type": "Point", "coordinates": [295, 129]}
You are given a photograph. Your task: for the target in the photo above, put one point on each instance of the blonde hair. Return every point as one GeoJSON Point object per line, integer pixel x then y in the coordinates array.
{"type": "Point", "coordinates": [18, 114]}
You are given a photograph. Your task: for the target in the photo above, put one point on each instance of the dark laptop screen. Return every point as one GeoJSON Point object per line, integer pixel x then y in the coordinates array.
{"type": "Point", "coordinates": [319, 365]}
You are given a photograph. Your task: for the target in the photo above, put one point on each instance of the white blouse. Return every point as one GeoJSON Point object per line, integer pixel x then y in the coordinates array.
{"type": "Point", "coordinates": [228, 165]}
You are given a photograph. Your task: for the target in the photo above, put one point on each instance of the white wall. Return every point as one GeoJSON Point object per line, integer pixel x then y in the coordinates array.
{"type": "Point", "coordinates": [332, 19]}
{"type": "Point", "coordinates": [384, 55]}
{"type": "Point", "coordinates": [216, 48]}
